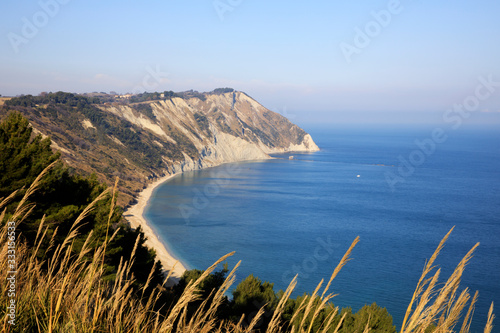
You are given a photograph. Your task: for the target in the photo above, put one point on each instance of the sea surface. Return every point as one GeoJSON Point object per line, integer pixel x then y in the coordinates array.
{"type": "Point", "coordinates": [400, 189]}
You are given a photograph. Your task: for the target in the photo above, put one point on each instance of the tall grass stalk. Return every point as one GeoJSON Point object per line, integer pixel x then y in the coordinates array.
{"type": "Point", "coordinates": [69, 294]}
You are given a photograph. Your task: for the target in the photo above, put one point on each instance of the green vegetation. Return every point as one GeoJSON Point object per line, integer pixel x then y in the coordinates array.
{"type": "Point", "coordinates": [192, 94]}
{"type": "Point", "coordinates": [23, 158]}
{"type": "Point", "coordinates": [67, 109]}
{"type": "Point", "coordinates": [261, 135]}
{"type": "Point", "coordinates": [250, 296]}
{"type": "Point", "coordinates": [157, 96]}
{"type": "Point", "coordinates": [70, 110]}
{"type": "Point", "coordinates": [80, 268]}
{"type": "Point", "coordinates": [203, 123]}
{"type": "Point", "coordinates": [108, 135]}
{"type": "Point", "coordinates": [101, 142]}
{"type": "Point", "coordinates": [154, 96]}
{"type": "Point", "coordinates": [146, 110]}
{"type": "Point", "coordinates": [220, 91]}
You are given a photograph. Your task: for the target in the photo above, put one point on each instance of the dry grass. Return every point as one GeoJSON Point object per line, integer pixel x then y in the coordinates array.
{"type": "Point", "coordinates": [71, 296]}
{"type": "Point", "coordinates": [3, 100]}
{"type": "Point", "coordinates": [440, 307]}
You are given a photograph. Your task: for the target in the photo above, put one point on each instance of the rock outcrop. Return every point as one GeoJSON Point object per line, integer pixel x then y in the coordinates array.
{"type": "Point", "coordinates": [223, 128]}
{"type": "Point", "coordinates": [142, 141]}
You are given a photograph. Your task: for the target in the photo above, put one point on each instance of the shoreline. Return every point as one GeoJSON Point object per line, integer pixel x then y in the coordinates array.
{"type": "Point", "coordinates": [134, 214]}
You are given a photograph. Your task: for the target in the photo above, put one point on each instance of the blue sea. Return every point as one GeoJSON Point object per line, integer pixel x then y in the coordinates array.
{"type": "Point", "coordinates": [400, 189]}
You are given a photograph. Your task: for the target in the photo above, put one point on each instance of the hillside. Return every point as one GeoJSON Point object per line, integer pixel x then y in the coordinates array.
{"type": "Point", "coordinates": [71, 265]}
{"type": "Point", "coordinates": [151, 135]}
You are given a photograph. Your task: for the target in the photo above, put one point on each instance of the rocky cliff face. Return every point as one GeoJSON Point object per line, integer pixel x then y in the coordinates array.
{"type": "Point", "coordinates": [223, 128]}
{"type": "Point", "coordinates": [141, 141]}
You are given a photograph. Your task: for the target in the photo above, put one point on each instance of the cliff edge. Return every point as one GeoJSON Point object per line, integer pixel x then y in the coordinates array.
{"type": "Point", "coordinates": [140, 141]}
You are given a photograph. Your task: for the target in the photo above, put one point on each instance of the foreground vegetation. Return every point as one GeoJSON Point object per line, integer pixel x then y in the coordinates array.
{"type": "Point", "coordinates": [97, 141]}
{"type": "Point", "coordinates": [79, 268]}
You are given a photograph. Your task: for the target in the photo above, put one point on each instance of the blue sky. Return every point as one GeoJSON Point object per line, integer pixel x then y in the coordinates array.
{"type": "Point", "coordinates": [415, 60]}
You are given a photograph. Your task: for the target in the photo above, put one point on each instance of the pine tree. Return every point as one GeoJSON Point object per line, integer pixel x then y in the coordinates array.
{"type": "Point", "coordinates": [61, 197]}
{"type": "Point", "coordinates": [22, 155]}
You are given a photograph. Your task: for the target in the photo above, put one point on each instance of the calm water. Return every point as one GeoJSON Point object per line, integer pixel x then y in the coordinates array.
{"type": "Point", "coordinates": [284, 217]}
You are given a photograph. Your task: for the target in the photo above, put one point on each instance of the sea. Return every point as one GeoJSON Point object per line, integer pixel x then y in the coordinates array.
{"type": "Point", "coordinates": [399, 188]}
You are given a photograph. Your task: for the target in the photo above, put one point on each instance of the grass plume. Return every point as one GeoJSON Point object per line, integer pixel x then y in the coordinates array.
{"type": "Point", "coordinates": [71, 296]}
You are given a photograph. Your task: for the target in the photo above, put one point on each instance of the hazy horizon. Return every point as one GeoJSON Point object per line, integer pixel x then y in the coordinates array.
{"type": "Point", "coordinates": [377, 62]}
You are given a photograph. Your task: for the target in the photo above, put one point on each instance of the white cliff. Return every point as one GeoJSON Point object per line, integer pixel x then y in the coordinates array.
{"type": "Point", "coordinates": [222, 128]}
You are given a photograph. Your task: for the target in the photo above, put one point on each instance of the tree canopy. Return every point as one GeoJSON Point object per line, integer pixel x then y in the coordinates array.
{"type": "Point", "coordinates": [61, 197]}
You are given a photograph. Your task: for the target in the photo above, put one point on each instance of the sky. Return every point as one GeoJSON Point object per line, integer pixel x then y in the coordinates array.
{"type": "Point", "coordinates": [322, 61]}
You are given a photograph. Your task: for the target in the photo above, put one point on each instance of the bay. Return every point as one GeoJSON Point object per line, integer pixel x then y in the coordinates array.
{"type": "Point", "coordinates": [396, 188]}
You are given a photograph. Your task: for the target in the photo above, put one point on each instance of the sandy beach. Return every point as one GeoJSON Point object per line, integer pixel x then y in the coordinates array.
{"type": "Point", "coordinates": [134, 214]}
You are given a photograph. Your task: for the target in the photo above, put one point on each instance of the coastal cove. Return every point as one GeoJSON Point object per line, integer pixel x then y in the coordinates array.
{"type": "Point", "coordinates": [250, 167]}
{"type": "Point", "coordinates": [284, 217]}
{"type": "Point", "coordinates": [135, 216]}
